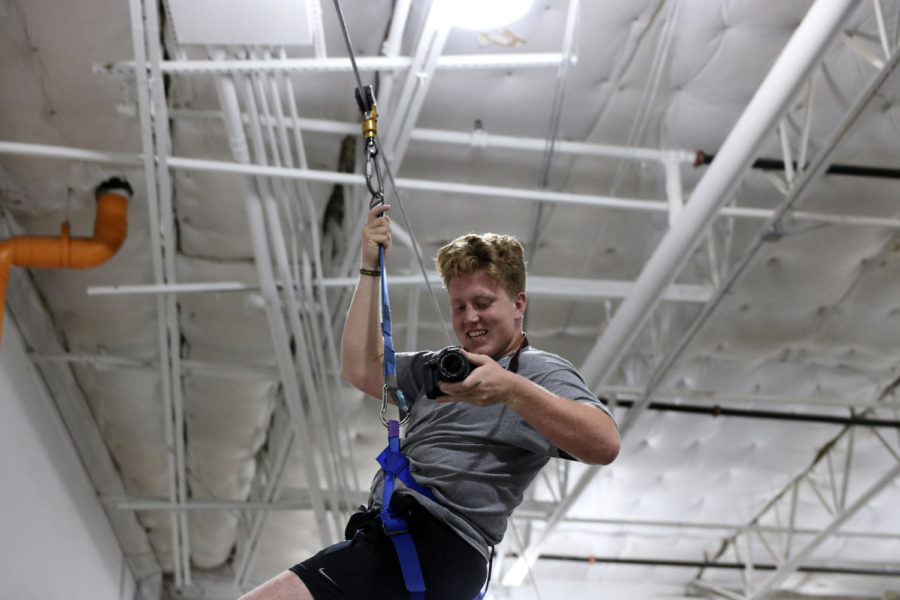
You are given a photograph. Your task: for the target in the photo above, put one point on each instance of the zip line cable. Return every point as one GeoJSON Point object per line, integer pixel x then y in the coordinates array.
{"type": "Point", "coordinates": [415, 244]}
{"type": "Point", "coordinates": [346, 34]}
{"type": "Point", "coordinates": [387, 167]}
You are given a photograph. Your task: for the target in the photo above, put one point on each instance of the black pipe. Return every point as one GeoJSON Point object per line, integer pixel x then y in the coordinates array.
{"type": "Point", "coordinates": [774, 164]}
{"type": "Point", "coordinates": [716, 411]}
{"type": "Point", "coordinates": [699, 564]}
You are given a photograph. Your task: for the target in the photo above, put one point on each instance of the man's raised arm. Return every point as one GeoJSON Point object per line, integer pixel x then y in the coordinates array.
{"type": "Point", "coordinates": [362, 347]}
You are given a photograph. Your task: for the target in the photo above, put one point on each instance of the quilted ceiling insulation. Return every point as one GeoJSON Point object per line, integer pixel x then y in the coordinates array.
{"type": "Point", "coordinates": [707, 191]}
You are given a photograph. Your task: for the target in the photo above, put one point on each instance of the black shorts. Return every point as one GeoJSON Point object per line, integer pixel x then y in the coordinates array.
{"type": "Point", "coordinates": [365, 567]}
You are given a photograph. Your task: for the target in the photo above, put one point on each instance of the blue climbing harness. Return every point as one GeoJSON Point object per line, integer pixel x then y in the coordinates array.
{"type": "Point", "coordinates": [396, 466]}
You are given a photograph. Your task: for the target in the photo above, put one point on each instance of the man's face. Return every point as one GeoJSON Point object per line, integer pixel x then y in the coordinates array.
{"type": "Point", "coordinates": [485, 318]}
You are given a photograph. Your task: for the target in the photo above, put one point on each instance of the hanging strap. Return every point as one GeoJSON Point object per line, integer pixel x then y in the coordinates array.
{"type": "Point", "coordinates": [391, 389]}
{"type": "Point", "coordinates": [395, 465]}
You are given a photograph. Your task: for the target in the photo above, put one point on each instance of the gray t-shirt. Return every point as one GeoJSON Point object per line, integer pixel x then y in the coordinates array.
{"type": "Point", "coordinates": [478, 461]}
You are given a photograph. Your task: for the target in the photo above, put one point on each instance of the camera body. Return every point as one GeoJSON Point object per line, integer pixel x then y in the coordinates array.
{"type": "Point", "coordinates": [449, 365]}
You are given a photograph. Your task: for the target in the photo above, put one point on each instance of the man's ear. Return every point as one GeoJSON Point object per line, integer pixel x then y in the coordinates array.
{"type": "Point", "coordinates": [520, 301]}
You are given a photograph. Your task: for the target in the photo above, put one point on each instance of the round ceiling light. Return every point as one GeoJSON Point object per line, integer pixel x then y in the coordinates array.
{"type": "Point", "coordinates": [483, 15]}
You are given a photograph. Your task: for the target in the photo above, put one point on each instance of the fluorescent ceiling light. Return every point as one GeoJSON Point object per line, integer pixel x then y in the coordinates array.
{"type": "Point", "coordinates": [483, 15]}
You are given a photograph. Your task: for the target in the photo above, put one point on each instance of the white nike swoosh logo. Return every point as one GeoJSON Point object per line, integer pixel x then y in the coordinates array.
{"type": "Point", "coordinates": [325, 575]}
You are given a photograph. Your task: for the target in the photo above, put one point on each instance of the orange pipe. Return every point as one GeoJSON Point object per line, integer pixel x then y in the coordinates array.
{"type": "Point", "coordinates": [110, 228]}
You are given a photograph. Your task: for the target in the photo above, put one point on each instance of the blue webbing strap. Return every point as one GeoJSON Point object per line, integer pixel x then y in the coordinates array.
{"type": "Point", "coordinates": [390, 364]}
{"type": "Point", "coordinates": [395, 465]}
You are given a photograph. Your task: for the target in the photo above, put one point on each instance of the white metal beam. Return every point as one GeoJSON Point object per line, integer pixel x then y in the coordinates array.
{"type": "Point", "coordinates": [801, 54]}
{"type": "Point", "coordinates": [530, 195]}
{"type": "Point", "coordinates": [364, 63]}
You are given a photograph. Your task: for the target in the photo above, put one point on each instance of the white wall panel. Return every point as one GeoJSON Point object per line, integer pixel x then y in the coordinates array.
{"type": "Point", "coordinates": [57, 542]}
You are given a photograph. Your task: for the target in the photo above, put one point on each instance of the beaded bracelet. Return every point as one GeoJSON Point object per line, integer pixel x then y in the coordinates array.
{"type": "Point", "coordinates": [370, 272]}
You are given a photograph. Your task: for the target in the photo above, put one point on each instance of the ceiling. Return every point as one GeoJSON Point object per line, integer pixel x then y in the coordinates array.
{"type": "Point", "coordinates": [742, 317]}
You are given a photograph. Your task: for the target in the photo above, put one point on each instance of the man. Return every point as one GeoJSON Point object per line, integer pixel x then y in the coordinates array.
{"type": "Point", "coordinates": [476, 447]}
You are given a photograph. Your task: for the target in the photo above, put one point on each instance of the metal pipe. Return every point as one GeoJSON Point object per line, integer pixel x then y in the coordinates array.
{"type": "Point", "coordinates": [793, 66]}
{"type": "Point", "coordinates": [156, 253]}
{"type": "Point", "coordinates": [774, 164]}
{"type": "Point", "coordinates": [193, 164]}
{"type": "Point", "coordinates": [322, 65]}
{"type": "Point", "coordinates": [162, 140]}
{"type": "Point", "coordinates": [391, 49]}
{"type": "Point", "coordinates": [701, 564]}
{"type": "Point", "coordinates": [539, 286]}
{"type": "Point", "coordinates": [772, 415]}
{"type": "Point", "coordinates": [424, 77]}
{"type": "Point", "coordinates": [278, 247]}
{"type": "Point", "coordinates": [479, 139]}
{"type": "Point", "coordinates": [418, 80]}
{"type": "Point", "coordinates": [256, 218]}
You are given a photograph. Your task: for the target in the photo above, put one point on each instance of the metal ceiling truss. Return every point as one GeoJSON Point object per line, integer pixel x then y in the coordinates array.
{"type": "Point", "coordinates": [838, 506]}
{"type": "Point", "coordinates": [831, 483]}
{"type": "Point", "coordinates": [793, 68]}
{"type": "Point", "coordinates": [269, 204]}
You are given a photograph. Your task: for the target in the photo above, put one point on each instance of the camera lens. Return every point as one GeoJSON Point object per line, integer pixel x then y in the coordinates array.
{"type": "Point", "coordinates": [453, 366]}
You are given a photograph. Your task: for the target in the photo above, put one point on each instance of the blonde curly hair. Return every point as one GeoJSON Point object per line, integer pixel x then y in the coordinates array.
{"type": "Point", "coordinates": [500, 256]}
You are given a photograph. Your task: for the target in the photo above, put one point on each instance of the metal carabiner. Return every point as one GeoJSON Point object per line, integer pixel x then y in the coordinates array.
{"type": "Point", "coordinates": [376, 188]}
{"type": "Point", "coordinates": [390, 390]}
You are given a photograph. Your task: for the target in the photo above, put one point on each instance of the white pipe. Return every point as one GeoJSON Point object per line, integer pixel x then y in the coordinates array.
{"type": "Point", "coordinates": [787, 156]}
{"type": "Point", "coordinates": [163, 145]}
{"type": "Point", "coordinates": [228, 98]}
{"type": "Point", "coordinates": [173, 288]}
{"type": "Point", "coordinates": [316, 387]}
{"type": "Point", "coordinates": [329, 348]}
{"type": "Point", "coordinates": [66, 153]}
{"type": "Point", "coordinates": [882, 30]}
{"type": "Point", "coordinates": [796, 61]}
{"type": "Point", "coordinates": [391, 49]}
{"type": "Point", "coordinates": [364, 63]}
{"type": "Point", "coordinates": [422, 83]}
{"type": "Point", "coordinates": [807, 121]}
{"type": "Point", "coordinates": [426, 38]}
{"type": "Point", "coordinates": [156, 252]}
{"type": "Point", "coordinates": [674, 192]}
{"type": "Point", "coordinates": [314, 11]}
{"type": "Point", "coordinates": [478, 139]}
{"type": "Point", "coordinates": [258, 232]}
{"type": "Point", "coordinates": [278, 246]}
{"type": "Point", "coordinates": [194, 164]}
{"type": "Point", "coordinates": [539, 286]}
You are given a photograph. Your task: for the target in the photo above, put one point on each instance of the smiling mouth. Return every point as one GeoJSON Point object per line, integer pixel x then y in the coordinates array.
{"type": "Point", "coordinates": [477, 334]}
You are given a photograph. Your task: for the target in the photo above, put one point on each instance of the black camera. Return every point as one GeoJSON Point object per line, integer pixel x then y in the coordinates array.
{"type": "Point", "coordinates": [449, 365]}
